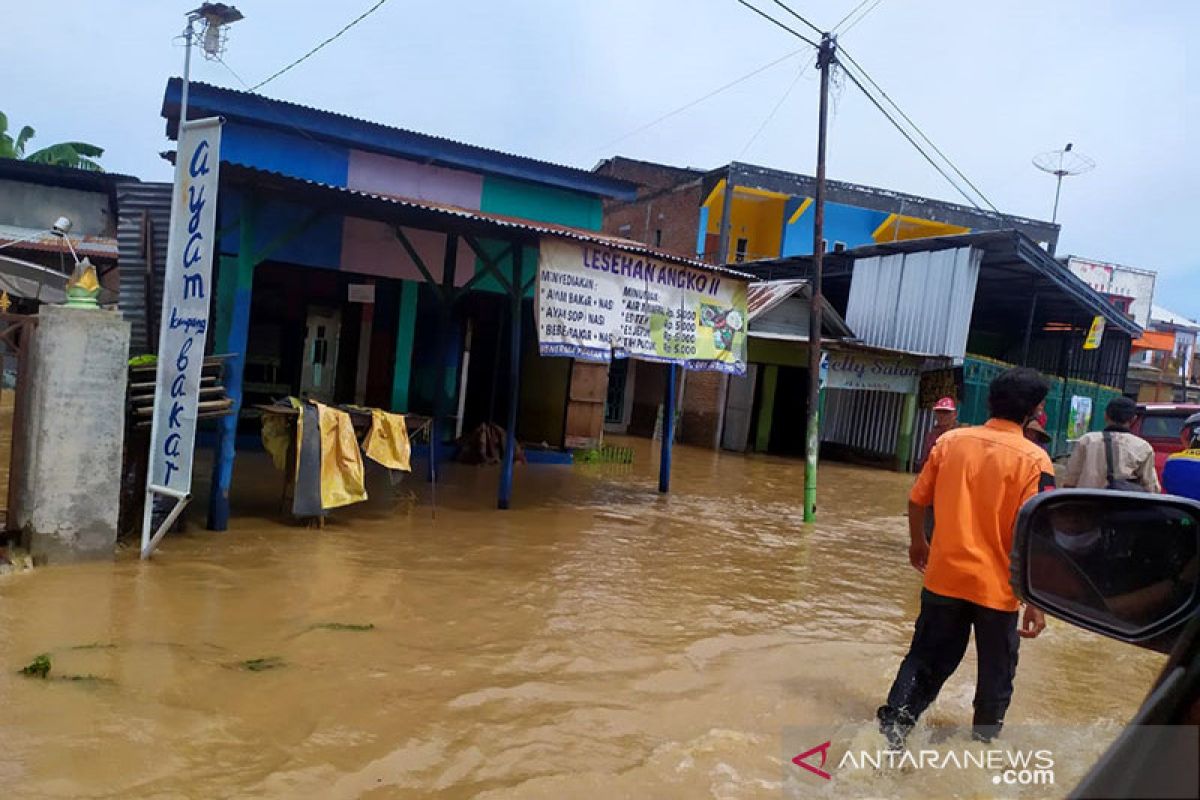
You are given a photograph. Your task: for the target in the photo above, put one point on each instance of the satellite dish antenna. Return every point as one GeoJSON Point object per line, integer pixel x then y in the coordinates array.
{"type": "Point", "coordinates": [1061, 163]}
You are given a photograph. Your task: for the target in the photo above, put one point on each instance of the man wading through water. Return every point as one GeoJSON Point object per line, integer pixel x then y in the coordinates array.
{"type": "Point", "coordinates": [976, 479]}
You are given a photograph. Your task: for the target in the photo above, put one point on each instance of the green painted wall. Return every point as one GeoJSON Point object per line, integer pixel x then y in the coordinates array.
{"type": "Point", "coordinates": [531, 201]}
{"type": "Point", "coordinates": [543, 203]}
{"type": "Point", "coordinates": [766, 409]}
{"type": "Point", "coordinates": [774, 351]}
{"type": "Point", "coordinates": [488, 283]}
{"type": "Point", "coordinates": [405, 335]}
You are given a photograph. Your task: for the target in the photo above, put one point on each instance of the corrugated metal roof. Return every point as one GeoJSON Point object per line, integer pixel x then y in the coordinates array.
{"type": "Point", "coordinates": [137, 202]}
{"type": "Point", "coordinates": [203, 97]}
{"type": "Point", "coordinates": [103, 247]}
{"type": "Point", "coordinates": [920, 302]}
{"type": "Point", "coordinates": [1004, 252]}
{"type": "Point", "coordinates": [496, 224]}
{"type": "Point", "coordinates": [14, 169]}
{"type": "Point", "coordinates": [1169, 317]}
{"type": "Point", "coordinates": [765, 295]}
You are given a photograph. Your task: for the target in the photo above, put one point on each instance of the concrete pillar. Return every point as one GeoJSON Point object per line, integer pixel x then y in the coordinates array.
{"type": "Point", "coordinates": [69, 493]}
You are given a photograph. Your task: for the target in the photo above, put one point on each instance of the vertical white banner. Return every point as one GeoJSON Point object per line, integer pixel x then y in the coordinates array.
{"type": "Point", "coordinates": [187, 288]}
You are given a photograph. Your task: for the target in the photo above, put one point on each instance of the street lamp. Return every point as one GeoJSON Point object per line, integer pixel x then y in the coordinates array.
{"type": "Point", "coordinates": [213, 19]}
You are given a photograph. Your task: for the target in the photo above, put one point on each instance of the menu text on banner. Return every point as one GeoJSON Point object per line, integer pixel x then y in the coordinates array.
{"type": "Point", "coordinates": [596, 303]}
{"type": "Point", "coordinates": [187, 288]}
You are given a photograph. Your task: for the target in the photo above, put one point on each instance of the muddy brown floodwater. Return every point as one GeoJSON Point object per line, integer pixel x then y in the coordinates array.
{"type": "Point", "coordinates": [597, 641]}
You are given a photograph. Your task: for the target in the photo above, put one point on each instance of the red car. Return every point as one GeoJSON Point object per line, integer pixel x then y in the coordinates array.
{"type": "Point", "coordinates": [1160, 425]}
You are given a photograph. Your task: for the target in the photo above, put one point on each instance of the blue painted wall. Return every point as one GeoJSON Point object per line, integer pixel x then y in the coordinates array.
{"type": "Point", "coordinates": [284, 152]}
{"type": "Point", "coordinates": [843, 223]}
{"type": "Point", "coordinates": [319, 246]}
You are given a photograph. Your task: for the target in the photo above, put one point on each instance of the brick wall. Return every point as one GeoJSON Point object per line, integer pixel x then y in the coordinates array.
{"type": "Point", "coordinates": [669, 201]}
{"type": "Point", "coordinates": [701, 414]}
{"type": "Point", "coordinates": [647, 396]}
{"type": "Point", "coordinates": [649, 176]}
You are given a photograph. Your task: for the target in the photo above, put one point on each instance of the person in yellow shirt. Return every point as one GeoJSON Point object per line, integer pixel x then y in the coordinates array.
{"type": "Point", "coordinates": [976, 480]}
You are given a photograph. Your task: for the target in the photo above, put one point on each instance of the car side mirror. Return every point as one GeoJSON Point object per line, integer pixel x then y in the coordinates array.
{"type": "Point", "coordinates": [1123, 564]}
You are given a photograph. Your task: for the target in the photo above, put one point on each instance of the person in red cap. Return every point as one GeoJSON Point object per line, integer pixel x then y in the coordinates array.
{"type": "Point", "coordinates": [1035, 431]}
{"type": "Point", "coordinates": [945, 418]}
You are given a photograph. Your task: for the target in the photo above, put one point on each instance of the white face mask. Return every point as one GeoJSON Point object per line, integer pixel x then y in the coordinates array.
{"type": "Point", "coordinates": [1077, 542]}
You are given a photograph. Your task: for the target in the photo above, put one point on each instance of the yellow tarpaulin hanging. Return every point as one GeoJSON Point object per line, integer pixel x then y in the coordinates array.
{"type": "Point", "coordinates": [341, 461]}
{"type": "Point", "coordinates": [276, 438]}
{"type": "Point", "coordinates": [387, 441]}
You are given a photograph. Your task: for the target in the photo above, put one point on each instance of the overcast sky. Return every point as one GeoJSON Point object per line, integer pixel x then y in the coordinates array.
{"type": "Point", "coordinates": [992, 84]}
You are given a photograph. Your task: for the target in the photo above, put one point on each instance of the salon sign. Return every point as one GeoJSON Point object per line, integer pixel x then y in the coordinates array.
{"type": "Point", "coordinates": [875, 373]}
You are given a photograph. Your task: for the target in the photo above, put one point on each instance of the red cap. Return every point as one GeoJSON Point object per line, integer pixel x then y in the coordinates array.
{"type": "Point", "coordinates": [945, 404]}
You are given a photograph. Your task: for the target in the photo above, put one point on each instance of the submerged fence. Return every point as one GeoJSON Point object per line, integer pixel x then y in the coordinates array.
{"type": "Point", "coordinates": [978, 373]}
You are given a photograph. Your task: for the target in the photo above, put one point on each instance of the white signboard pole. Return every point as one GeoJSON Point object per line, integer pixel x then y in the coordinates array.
{"type": "Point", "coordinates": [183, 326]}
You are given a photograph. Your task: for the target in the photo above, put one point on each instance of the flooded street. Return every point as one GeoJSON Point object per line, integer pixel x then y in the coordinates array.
{"type": "Point", "coordinates": [597, 641]}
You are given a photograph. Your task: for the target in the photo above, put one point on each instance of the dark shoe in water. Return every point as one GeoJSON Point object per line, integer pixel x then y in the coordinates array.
{"type": "Point", "coordinates": [895, 726]}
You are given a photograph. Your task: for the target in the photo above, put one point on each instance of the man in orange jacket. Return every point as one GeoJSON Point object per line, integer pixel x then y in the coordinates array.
{"type": "Point", "coordinates": [976, 479]}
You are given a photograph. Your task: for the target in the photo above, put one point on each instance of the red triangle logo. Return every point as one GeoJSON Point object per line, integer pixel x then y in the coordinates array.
{"type": "Point", "coordinates": [823, 749]}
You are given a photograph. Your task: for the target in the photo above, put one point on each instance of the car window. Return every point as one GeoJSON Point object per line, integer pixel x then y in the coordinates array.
{"type": "Point", "coordinates": [1162, 427]}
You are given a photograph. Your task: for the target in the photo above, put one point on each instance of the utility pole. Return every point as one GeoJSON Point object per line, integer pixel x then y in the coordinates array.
{"type": "Point", "coordinates": [825, 60]}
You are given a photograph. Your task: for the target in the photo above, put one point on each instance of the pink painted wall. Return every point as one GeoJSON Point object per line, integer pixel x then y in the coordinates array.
{"type": "Point", "coordinates": [371, 248]}
{"type": "Point", "coordinates": [370, 172]}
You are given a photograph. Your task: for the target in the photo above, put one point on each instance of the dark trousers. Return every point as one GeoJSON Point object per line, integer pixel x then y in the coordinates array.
{"type": "Point", "coordinates": [938, 644]}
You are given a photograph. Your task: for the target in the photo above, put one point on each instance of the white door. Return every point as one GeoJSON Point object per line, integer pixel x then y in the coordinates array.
{"type": "Point", "coordinates": [320, 354]}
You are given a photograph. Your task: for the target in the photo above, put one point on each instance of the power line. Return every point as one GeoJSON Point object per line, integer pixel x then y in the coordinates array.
{"type": "Point", "coordinates": [861, 17]}
{"type": "Point", "coordinates": [788, 9]}
{"type": "Point", "coordinates": [774, 21]}
{"type": "Point", "coordinates": [853, 11]}
{"type": "Point", "coordinates": [911, 141]}
{"type": "Point", "coordinates": [917, 128]}
{"type": "Point", "coordinates": [774, 111]}
{"type": "Point", "coordinates": [699, 100]}
{"type": "Point", "coordinates": [885, 112]}
{"type": "Point", "coordinates": [263, 103]}
{"type": "Point", "coordinates": [313, 51]}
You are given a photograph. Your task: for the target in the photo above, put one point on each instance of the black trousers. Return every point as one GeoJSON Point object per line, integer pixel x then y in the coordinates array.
{"type": "Point", "coordinates": [938, 644]}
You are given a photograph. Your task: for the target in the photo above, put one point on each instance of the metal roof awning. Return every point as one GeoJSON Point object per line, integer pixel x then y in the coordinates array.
{"type": "Point", "coordinates": [1011, 260]}
{"type": "Point", "coordinates": [96, 247]}
{"type": "Point", "coordinates": [34, 282]}
{"type": "Point", "coordinates": [1156, 340]}
{"type": "Point", "coordinates": [431, 216]}
{"type": "Point", "coordinates": [320, 125]}
{"type": "Point", "coordinates": [763, 296]}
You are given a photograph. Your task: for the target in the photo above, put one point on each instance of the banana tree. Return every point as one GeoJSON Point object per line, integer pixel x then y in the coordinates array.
{"type": "Point", "coordinates": [78, 155]}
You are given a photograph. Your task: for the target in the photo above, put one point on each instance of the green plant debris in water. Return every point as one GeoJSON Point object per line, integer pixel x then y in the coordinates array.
{"type": "Point", "coordinates": [606, 454]}
{"type": "Point", "coordinates": [342, 626]}
{"type": "Point", "coordinates": [38, 668]}
{"type": "Point", "coordinates": [262, 664]}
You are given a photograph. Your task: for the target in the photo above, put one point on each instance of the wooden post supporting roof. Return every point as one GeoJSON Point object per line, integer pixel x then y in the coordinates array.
{"type": "Point", "coordinates": [668, 430]}
{"type": "Point", "coordinates": [504, 497]}
{"type": "Point", "coordinates": [235, 285]}
{"type": "Point", "coordinates": [236, 332]}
